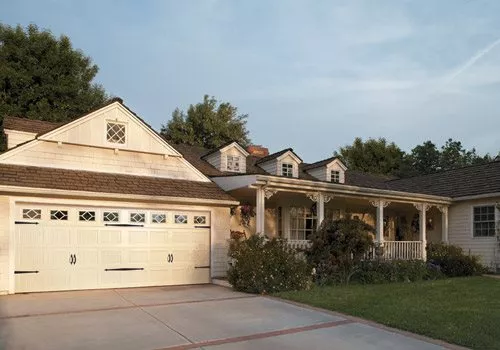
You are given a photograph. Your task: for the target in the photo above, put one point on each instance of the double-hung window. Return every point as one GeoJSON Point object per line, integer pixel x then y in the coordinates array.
{"type": "Point", "coordinates": [484, 221]}
{"type": "Point", "coordinates": [335, 176]}
{"type": "Point", "coordinates": [233, 163]}
{"type": "Point", "coordinates": [287, 169]}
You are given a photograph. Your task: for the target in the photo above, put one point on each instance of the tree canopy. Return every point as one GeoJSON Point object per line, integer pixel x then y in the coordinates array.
{"type": "Point", "coordinates": [43, 77]}
{"type": "Point", "coordinates": [208, 124]}
{"type": "Point", "coordinates": [377, 156]}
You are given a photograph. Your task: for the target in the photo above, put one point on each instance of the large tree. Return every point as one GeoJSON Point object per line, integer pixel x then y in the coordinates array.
{"type": "Point", "coordinates": [44, 77]}
{"type": "Point", "coordinates": [208, 124]}
{"type": "Point", "coordinates": [376, 156]}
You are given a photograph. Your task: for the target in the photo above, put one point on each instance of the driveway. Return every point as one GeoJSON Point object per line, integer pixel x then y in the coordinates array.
{"type": "Point", "coordinates": [194, 317]}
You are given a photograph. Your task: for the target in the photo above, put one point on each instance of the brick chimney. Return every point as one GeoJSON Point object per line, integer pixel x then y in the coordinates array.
{"type": "Point", "coordinates": [258, 151]}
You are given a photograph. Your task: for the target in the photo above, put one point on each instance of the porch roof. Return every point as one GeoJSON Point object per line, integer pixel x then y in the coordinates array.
{"type": "Point", "coordinates": [279, 183]}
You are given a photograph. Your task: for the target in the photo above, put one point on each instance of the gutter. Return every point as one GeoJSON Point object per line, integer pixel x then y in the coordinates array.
{"type": "Point", "coordinates": [477, 196]}
{"type": "Point", "coordinates": [116, 196]}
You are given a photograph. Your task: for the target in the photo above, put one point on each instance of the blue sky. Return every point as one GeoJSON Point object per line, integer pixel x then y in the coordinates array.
{"type": "Point", "coordinates": [312, 75]}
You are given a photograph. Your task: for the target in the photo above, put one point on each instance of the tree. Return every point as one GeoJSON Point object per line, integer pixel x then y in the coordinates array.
{"type": "Point", "coordinates": [208, 124]}
{"type": "Point", "coordinates": [375, 156]}
{"type": "Point", "coordinates": [423, 159]}
{"type": "Point", "coordinates": [44, 78]}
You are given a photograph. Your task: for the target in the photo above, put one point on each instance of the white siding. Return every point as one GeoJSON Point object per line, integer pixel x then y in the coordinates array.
{"type": "Point", "coordinates": [215, 160]}
{"type": "Point", "coordinates": [271, 167]}
{"type": "Point", "coordinates": [4, 244]}
{"type": "Point", "coordinates": [15, 137]}
{"type": "Point", "coordinates": [220, 235]}
{"type": "Point", "coordinates": [319, 173]}
{"type": "Point", "coordinates": [49, 154]}
{"type": "Point", "coordinates": [460, 230]}
{"type": "Point", "coordinates": [233, 151]}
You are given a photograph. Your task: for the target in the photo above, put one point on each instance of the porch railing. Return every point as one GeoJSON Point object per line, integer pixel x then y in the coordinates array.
{"type": "Point", "coordinates": [392, 250]}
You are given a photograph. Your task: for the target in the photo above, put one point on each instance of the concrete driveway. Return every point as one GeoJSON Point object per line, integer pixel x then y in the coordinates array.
{"type": "Point", "coordinates": [194, 317]}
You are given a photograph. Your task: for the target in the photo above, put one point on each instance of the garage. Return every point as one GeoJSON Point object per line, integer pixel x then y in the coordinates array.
{"type": "Point", "coordinates": [61, 247]}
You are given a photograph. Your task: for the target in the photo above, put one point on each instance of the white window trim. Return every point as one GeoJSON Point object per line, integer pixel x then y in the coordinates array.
{"type": "Point", "coordinates": [331, 176]}
{"type": "Point", "coordinates": [292, 168]}
{"type": "Point", "coordinates": [497, 217]}
{"type": "Point", "coordinates": [115, 144]}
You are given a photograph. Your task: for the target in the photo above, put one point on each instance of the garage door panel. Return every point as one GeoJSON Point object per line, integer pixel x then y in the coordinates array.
{"type": "Point", "coordinates": [77, 254]}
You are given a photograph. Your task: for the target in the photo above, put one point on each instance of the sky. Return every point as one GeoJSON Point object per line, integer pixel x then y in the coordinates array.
{"type": "Point", "coordinates": [311, 75]}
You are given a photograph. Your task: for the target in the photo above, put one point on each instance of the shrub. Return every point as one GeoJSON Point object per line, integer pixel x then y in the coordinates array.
{"type": "Point", "coordinates": [338, 248]}
{"type": "Point", "coordinates": [386, 271]}
{"type": "Point", "coordinates": [262, 266]}
{"type": "Point", "coordinates": [452, 260]}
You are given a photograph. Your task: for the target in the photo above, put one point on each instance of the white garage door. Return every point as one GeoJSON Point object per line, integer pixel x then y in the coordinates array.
{"type": "Point", "coordinates": [63, 248]}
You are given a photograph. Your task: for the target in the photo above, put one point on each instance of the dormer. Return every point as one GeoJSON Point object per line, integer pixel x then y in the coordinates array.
{"type": "Point", "coordinates": [330, 170]}
{"type": "Point", "coordinates": [282, 163]}
{"type": "Point", "coordinates": [229, 157]}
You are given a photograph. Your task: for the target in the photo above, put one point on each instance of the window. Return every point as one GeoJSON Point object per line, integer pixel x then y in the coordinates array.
{"type": "Point", "coordinates": [200, 220]}
{"type": "Point", "coordinates": [180, 219]}
{"type": "Point", "coordinates": [32, 214]}
{"type": "Point", "coordinates": [59, 215]}
{"type": "Point", "coordinates": [484, 221]}
{"type": "Point", "coordinates": [115, 133]}
{"type": "Point", "coordinates": [110, 216]}
{"type": "Point", "coordinates": [233, 163]}
{"type": "Point", "coordinates": [287, 169]}
{"type": "Point", "coordinates": [302, 223]}
{"type": "Point", "coordinates": [85, 215]}
{"type": "Point", "coordinates": [158, 218]}
{"type": "Point", "coordinates": [137, 217]}
{"type": "Point", "coordinates": [335, 176]}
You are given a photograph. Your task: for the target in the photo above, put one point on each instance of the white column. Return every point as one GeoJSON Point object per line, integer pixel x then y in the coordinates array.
{"type": "Point", "coordinates": [380, 205]}
{"type": "Point", "coordinates": [422, 208]}
{"type": "Point", "coordinates": [444, 223]}
{"type": "Point", "coordinates": [321, 210]}
{"type": "Point", "coordinates": [260, 211]}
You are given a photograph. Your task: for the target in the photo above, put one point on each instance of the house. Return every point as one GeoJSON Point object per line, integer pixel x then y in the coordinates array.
{"type": "Point", "coordinates": [105, 202]}
{"type": "Point", "coordinates": [291, 199]}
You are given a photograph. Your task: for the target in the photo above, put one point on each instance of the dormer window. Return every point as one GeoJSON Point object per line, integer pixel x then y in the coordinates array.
{"type": "Point", "coordinates": [115, 133]}
{"type": "Point", "coordinates": [233, 163]}
{"type": "Point", "coordinates": [335, 176]}
{"type": "Point", "coordinates": [287, 169]}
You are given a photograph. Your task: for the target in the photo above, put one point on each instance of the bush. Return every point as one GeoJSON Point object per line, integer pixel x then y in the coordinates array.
{"type": "Point", "coordinates": [386, 271]}
{"type": "Point", "coordinates": [452, 260]}
{"type": "Point", "coordinates": [338, 248]}
{"type": "Point", "coordinates": [263, 266]}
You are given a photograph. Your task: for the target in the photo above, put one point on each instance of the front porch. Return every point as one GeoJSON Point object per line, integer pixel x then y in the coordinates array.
{"type": "Point", "coordinates": [402, 225]}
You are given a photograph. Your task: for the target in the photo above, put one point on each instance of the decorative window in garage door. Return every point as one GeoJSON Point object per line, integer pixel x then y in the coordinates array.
{"type": "Point", "coordinates": [59, 215]}
{"type": "Point", "coordinates": [137, 217]}
{"type": "Point", "coordinates": [200, 219]}
{"type": "Point", "coordinates": [158, 218]}
{"type": "Point", "coordinates": [181, 219]}
{"type": "Point", "coordinates": [86, 215]}
{"type": "Point", "coordinates": [110, 216]}
{"type": "Point", "coordinates": [32, 214]}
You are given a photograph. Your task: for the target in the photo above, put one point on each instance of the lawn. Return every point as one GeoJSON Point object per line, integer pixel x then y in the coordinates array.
{"type": "Point", "coordinates": [464, 311]}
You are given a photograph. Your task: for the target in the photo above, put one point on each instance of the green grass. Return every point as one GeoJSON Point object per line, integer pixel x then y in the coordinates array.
{"type": "Point", "coordinates": [463, 311]}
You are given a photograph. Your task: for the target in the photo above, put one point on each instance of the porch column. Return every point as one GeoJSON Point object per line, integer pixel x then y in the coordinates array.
{"type": "Point", "coordinates": [320, 199]}
{"type": "Point", "coordinates": [260, 208]}
{"type": "Point", "coordinates": [444, 223]}
{"type": "Point", "coordinates": [422, 208]}
{"type": "Point", "coordinates": [380, 205]}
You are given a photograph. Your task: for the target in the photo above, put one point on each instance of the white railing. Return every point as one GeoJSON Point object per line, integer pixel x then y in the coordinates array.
{"type": "Point", "coordinates": [402, 250]}
{"type": "Point", "coordinates": [299, 243]}
{"type": "Point", "coordinates": [392, 250]}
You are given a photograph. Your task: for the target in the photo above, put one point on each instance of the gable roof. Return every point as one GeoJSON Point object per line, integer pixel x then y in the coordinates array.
{"type": "Point", "coordinates": [226, 145]}
{"type": "Point", "coordinates": [324, 162]}
{"type": "Point", "coordinates": [467, 181]}
{"type": "Point", "coordinates": [87, 181]}
{"type": "Point", "coordinates": [29, 125]}
{"type": "Point", "coordinates": [277, 155]}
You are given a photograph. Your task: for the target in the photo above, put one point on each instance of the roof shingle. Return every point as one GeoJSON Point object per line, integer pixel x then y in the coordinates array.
{"type": "Point", "coordinates": [29, 125]}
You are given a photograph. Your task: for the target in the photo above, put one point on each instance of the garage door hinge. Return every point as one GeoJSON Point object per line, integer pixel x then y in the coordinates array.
{"type": "Point", "coordinates": [26, 222]}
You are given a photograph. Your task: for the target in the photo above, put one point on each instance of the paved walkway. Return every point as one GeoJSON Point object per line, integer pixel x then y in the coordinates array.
{"type": "Point", "coordinates": [195, 317]}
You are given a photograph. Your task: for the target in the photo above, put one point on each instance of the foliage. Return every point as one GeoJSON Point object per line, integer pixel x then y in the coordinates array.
{"type": "Point", "coordinates": [452, 261]}
{"type": "Point", "coordinates": [247, 212]}
{"type": "Point", "coordinates": [266, 266]}
{"type": "Point", "coordinates": [463, 311]}
{"type": "Point", "coordinates": [338, 248]}
{"type": "Point", "coordinates": [208, 124]}
{"type": "Point", "coordinates": [42, 77]}
{"type": "Point", "coordinates": [384, 271]}
{"type": "Point", "coordinates": [375, 156]}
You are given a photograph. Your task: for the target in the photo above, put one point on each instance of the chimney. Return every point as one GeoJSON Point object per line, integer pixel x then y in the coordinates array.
{"type": "Point", "coordinates": [258, 151]}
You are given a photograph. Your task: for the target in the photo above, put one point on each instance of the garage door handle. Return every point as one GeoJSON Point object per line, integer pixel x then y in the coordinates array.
{"type": "Point", "coordinates": [125, 269]}
{"type": "Point", "coordinates": [25, 223]}
{"type": "Point", "coordinates": [23, 272]}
